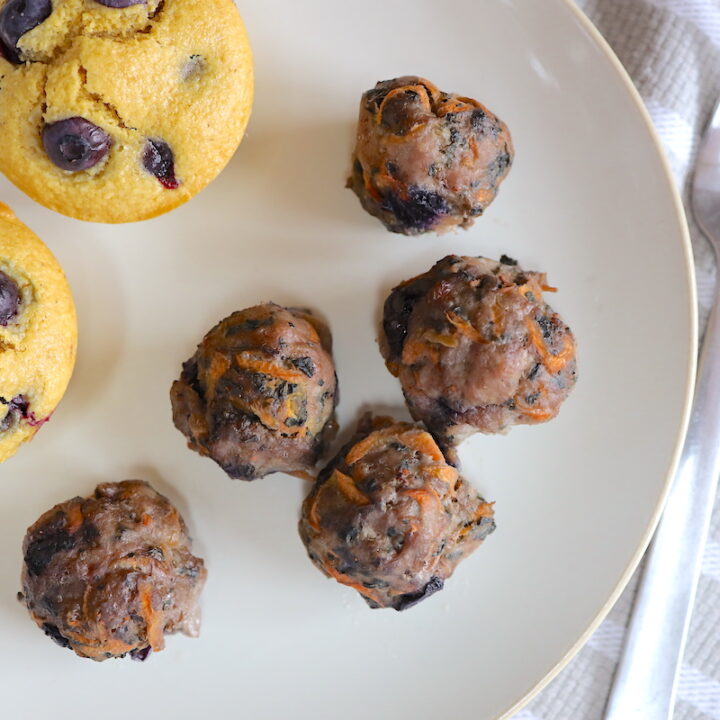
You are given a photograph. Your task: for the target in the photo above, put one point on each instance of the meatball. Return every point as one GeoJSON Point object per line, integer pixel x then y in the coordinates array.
{"type": "Point", "coordinates": [425, 159]}
{"type": "Point", "coordinates": [113, 573]}
{"type": "Point", "coordinates": [390, 518]}
{"type": "Point", "coordinates": [477, 348]}
{"type": "Point", "coordinates": [259, 395]}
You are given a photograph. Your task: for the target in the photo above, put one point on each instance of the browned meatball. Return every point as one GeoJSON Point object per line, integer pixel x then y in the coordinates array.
{"type": "Point", "coordinates": [477, 348]}
{"type": "Point", "coordinates": [113, 573]}
{"type": "Point", "coordinates": [390, 518]}
{"type": "Point", "coordinates": [425, 159]}
{"type": "Point", "coordinates": [259, 395]}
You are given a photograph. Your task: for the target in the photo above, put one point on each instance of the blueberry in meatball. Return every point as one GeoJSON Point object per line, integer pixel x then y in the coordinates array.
{"type": "Point", "coordinates": [477, 348]}
{"type": "Point", "coordinates": [427, 160]}
{"type": "Point", "coordinates": [259, 395]}
{"type": "Point", "coordinates": [390, 517]}
{"type": "Point", "coordinates": [112, 574]}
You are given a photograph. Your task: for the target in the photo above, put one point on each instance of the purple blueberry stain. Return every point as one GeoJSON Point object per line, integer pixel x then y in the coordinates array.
{"type": "Point", "coordinates": [19, 409]}
{"type": "Point", "coordinates": [16, 18]}
{"type": "Point", "coordinates": [75, 143]}
{"type": "Point", "coordinates": [141, 654]}
{"type": "Point", "coordinates": [14, 412]}
{"type": "Point", "coordinates": [419, 210]}
{"type": "Point", "coordinates": [403, 602]}
{"type": "Point", "coordinates": [119, 4]}
{"type": "Point", "coordinates": [54, 633]}
{"type": "Point", "coordinates": [158, 160]}
{"type": "Point", "coordinates": [192, 68]}
{"type": "Point", "coordinates": [9, 299]}
{"type": "Point", "coordinates": [51, 540]}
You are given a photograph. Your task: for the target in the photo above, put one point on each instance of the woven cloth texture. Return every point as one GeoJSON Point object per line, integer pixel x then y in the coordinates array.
{"type": "Point", "coordinates": [671, 49]}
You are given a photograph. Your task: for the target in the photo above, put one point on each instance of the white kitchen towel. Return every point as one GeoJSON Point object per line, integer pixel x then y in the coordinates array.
{"type": "Point", "coordinates": [671, 49]}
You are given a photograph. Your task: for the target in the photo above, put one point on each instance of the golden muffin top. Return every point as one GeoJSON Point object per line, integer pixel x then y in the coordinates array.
{"type": "Point", "coordinates": [38, 333]}
{"type": "Point", "coordinates": [115, 114]}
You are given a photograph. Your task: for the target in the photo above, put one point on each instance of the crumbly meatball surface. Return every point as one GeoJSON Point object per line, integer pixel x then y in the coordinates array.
{"type": "Point", "coordinates": [259, 395]}
{"type": "Point", "coordinates": [477, 348]}
{"type": "Point", "coordinates": [427, 160]}
{"type": "Point", "coordinates": [113, 573]}
{"type": "Point", "coordinates": [390, 517]}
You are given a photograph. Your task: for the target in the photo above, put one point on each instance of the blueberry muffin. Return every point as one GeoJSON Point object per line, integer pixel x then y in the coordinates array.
{"type": "Point", "coordinates": [112, 574]}
{"type": "Point", "coordinates": [259, 395]}
{"type": "Point", "coordinates": [38, 333]}
{"type": "Point", "coordinates": [477, 347]}
{"type": "Point", "coordinates": [120, 110]}
{"type": "Point", "coordinates": [390, 517]}
{"type": "Point", "coordinates": [427, 160]}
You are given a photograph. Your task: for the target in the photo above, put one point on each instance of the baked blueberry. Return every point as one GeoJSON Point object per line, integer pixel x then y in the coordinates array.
{"type": "Point", "coordinates": [18, 17]}
{"type": "Point", "coordinates": [427, 160]}
{"type": "Point", "coordinates": [75, 143]}
{"type": "Point", "coordinates": [390, 518]}
{"type": "Point", "coordinates": [158, 160]}
{"type": "Point", "coordinates": [9, 299]}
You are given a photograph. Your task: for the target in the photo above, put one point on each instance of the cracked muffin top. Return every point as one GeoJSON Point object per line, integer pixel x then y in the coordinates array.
{"type": "Point", "coordinates": [117, 110]}
{"type": "Point", "coordinates": [38, 333]}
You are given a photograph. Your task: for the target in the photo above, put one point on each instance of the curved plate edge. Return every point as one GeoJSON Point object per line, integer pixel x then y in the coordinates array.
{"type": "Point", "coordinates": [553, 672]}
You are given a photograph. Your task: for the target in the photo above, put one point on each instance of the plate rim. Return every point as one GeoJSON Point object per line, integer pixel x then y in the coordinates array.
{"type": "Point", "coordinates": [691, 371]}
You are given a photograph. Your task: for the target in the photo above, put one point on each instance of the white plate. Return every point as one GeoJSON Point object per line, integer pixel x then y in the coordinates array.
{"type": "Point", "coordinates": [588, 200]}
